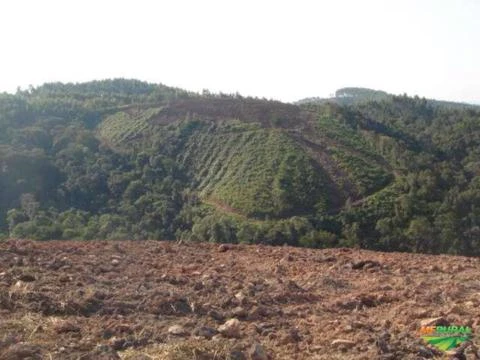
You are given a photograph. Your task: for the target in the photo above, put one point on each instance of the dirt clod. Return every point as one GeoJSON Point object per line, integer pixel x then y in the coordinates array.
{"type": "Point", "coordinates": [205, 331]}
{"type": "Point", "coordinates": [27, 278]}
{"type": "Point", "coordinates": [257, 352]}
{"type": "Point", "coordinates": [22, 351]}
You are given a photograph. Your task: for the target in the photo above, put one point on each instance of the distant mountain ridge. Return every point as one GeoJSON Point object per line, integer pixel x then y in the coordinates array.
{"type": "Point", "coordinates": [359, 95]}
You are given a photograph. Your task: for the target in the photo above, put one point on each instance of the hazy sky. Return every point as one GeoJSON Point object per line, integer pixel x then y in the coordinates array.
{"type": "Point", "coordinates": [285, 50]}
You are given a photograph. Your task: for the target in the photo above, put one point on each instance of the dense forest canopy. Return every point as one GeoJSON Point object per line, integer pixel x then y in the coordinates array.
{"type": "Point", "coordinates": [125, 159]}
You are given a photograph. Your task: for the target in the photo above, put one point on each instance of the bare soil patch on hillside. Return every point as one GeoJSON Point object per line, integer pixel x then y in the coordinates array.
{"type": "Point", "coordinates": [165, 300]}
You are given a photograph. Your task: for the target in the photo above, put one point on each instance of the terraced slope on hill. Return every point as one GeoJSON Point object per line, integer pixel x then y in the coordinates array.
{"type": "Point", "coordinates": [252, 165]}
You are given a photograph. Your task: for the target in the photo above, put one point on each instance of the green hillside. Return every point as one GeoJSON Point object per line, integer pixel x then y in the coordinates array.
{"type": "Point", "coordinates": [259, 172]}
{"type": "Point", "coordinates": [123, 159]}
{"type": "Point", "coordinates": [254, 166]}
{"type": "Point", "coordinates": [357, 96]}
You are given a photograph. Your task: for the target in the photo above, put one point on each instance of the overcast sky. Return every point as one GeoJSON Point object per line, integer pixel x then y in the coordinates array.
{"type": "Point", "coordinates": [284, 50]}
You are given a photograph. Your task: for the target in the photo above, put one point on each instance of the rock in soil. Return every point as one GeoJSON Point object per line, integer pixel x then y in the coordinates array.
{"type": "Point", "coordinates": [177, 330]}
{"type": "Point", "coordinates": [230, 329]}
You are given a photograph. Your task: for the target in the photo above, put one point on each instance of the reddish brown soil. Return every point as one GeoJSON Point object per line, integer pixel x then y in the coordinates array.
{"type": "Point", "coordinates": [111, 300]}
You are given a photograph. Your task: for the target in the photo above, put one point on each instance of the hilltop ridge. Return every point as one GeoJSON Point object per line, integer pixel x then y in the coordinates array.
{"type": "Point", "coordinates": [359, 95]}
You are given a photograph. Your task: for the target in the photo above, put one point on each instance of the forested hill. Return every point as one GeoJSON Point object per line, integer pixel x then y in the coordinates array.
{"type": "Point", "coordinates": [358, 95]}
{"type": "Point", "coordinates": [124, 159]}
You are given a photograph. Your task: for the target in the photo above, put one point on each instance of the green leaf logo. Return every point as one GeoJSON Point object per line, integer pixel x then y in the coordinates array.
{"type": "Point", "coordinates": [445, 343]}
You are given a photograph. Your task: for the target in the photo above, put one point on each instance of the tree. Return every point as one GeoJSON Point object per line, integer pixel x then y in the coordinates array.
{"type": "Point", "coordinates": [318, 239]}
{"type": "Point", "coordinates": [421, 234]}
{"type": "Point", "coordinates": [29, 205]}
{"type": "Point", "coordinates": [351, 234]}
{"type": "Point", "coordinates": [15, 217]}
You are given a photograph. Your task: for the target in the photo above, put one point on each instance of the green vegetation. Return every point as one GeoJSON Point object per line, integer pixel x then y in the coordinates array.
{"type": "Point", "coordinates": [353, 154]}
{"type": "Point", "coordinates": [258, 172]}
{"type": "Point", "coordinates": [360, 96]}
{"type": "Point", "coordinates": [127, 126]}
{"type": "Point", "coordinates": [123, 159]}
{"type": "Point", "coordinates": [364, 174]}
